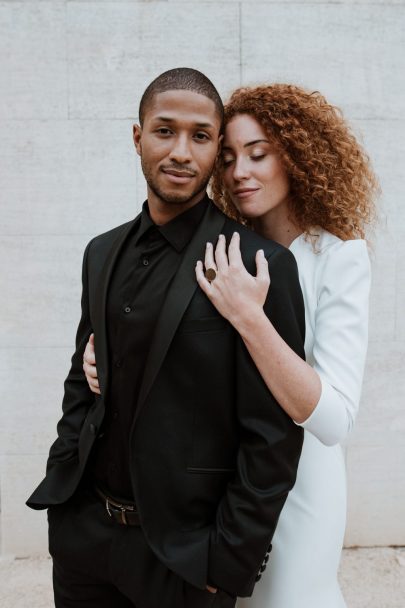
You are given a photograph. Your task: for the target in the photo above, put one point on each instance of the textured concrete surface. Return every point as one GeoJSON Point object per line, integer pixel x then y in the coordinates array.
{"type": "Point", "coordinates": [370, 578]}
{"type": "Point", "coordinates": [72, 72]}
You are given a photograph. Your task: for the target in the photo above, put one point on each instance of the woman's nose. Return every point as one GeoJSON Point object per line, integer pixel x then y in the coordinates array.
{"type": "Point", "coordinates": [240, 170]}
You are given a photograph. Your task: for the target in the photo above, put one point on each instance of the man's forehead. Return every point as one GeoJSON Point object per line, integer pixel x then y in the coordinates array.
{"type": "Point", "coordinates": [181, 104]}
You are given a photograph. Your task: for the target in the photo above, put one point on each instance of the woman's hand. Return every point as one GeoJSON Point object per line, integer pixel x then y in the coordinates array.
{"type": "Point", "coordinates": [236, 294]}
{"type": "Point", "coordinates": [89, 366]}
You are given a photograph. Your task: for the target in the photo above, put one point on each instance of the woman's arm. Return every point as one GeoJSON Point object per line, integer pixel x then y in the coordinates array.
{"type": "Point", "coordinates": [240, 297]}
{"type": "Point", "coordinates": [323, 398]}
{"type": "Point", "coordinates": [340, 339]}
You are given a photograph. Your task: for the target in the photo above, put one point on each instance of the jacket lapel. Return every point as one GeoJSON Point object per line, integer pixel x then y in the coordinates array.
{"type": "Point", "coordinates": [178, 298]}
{"type": "Point", "coordinates": [100, 327]}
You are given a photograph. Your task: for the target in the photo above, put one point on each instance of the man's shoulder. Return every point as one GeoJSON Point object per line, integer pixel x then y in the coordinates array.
{"type": "Point", "coordinates": [106, 239]}
{"type": "Point", "coordinates": [251, 242]}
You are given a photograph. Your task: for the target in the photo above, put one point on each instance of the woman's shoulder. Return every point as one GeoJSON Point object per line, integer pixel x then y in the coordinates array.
{"type": "Point", "coordinates": [327, 261]}
{"type": "Point", "coordinates": [322, 246]}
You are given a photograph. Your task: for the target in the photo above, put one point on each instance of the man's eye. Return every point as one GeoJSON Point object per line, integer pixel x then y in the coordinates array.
{"type": "Point", "coordinates": [163, 131]}
{"type": "Point", "coordinates": [201, 136]}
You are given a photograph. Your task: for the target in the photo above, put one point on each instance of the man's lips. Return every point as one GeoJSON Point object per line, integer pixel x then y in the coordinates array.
{"type": "Point", "coordinates": [177, 176]}
{"type": "Point", "coordinates": [245, 192]}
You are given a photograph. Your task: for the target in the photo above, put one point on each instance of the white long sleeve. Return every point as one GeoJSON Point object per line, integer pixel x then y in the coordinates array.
{"type": "Point", "coordinates": [336, 285]}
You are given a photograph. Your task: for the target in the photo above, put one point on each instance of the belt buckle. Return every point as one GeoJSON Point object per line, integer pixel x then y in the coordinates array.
{"type": "Point", "coordinates": [123, 516]}
{"type": "Point", "coordinates": [122, 508]}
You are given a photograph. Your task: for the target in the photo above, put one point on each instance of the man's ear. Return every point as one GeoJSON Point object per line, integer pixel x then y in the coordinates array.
{"type": "Point", "coordinates": [137, 134]}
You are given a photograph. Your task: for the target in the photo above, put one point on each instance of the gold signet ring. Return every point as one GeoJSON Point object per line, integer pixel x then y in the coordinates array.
{"type": "Point", "coordinates": [210, 274]}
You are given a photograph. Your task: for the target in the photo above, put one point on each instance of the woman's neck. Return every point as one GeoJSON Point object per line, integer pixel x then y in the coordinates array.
{"type": "Point", "coordinates": [277, 226]}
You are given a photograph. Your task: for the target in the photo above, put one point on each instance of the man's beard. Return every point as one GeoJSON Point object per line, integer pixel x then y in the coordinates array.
{"type": "Point", "coordinates": [175, 199]}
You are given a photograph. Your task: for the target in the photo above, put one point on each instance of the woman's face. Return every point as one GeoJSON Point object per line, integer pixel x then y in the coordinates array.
{"type": "Point", "coordinates": [253, 174]}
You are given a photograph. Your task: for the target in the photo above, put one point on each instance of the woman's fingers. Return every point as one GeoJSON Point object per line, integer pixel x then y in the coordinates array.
{"type": "Point", "coordinates": [234, 254]}
{"type": "Point", "coordinates": [221, 257]}
{"type": "Point", "coordinates": [91, 377]}
{"type": "Point", "coordinates": [89, 354]}
{"type": "Point", "coordinates": [262, 268]}
{"type": "Point", "coordinates": [201, 280]}
{"type": "Point", "coordinates": [89, 370]}
{"type": "Point", "coordinates": [209, 260]}
{"type": "Point", "coordinates": [95, 390]}
{"type": "Point", "coordinates": [89, 366]}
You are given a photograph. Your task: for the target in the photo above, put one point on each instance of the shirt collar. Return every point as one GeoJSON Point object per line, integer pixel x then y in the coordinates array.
{"type": "Point", "coordinates": [179, 231]}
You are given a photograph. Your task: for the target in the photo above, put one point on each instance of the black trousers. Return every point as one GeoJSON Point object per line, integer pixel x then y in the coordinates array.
{"type": "Point", "coordinates": [98, 563]}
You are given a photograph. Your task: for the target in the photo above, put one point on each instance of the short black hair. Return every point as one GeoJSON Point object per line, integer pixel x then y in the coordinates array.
{"type": "Point", "coordinates": [186, 79]}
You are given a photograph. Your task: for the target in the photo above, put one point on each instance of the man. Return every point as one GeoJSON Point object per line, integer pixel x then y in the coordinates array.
{"type": "Point", "coordinates": [165, 489]}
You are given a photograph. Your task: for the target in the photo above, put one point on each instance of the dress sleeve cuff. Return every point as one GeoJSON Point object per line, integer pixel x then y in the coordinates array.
{"type": "Point", "coordinates": [327, 422]}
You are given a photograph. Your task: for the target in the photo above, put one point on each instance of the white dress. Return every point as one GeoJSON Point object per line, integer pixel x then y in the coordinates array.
{"type": "Point", "coordinates": [302, 569]}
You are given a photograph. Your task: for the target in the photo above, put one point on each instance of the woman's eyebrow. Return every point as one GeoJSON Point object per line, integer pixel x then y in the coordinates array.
{"type": "Point", "coordinates": [256, 141]}
{"type": "Point", "coordinates": [250, 143]}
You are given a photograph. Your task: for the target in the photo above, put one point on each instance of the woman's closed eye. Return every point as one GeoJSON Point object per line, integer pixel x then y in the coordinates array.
{"type": "Point", "coordinates": [227, 160]}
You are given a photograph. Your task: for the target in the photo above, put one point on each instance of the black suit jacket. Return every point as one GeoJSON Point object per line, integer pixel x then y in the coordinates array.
{"type": "Point", "coordinates": [213, 455]}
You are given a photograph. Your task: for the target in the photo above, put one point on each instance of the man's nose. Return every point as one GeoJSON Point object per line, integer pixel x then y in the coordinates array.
{"type": "Point", "coordinates": [240, 170]}
{"type": "Point", "coordinates": [181, 153]}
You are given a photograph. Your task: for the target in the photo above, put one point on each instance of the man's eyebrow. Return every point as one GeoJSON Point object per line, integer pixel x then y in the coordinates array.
{"type": "Point", "coordinates": [250, 143]}
{"type": "Point", "coordinates": [200, 125]}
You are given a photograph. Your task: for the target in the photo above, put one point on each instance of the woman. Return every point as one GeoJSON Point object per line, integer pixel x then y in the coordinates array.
{"type": "Point", "coordinates": [291, 169]}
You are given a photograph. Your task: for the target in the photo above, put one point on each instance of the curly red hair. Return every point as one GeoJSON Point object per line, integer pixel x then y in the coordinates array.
{"type": "Point", "coordinates": [332, 184]}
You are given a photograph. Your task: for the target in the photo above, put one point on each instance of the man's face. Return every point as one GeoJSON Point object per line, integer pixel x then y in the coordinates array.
{"type": "Point", "coordinates": [178, 145]}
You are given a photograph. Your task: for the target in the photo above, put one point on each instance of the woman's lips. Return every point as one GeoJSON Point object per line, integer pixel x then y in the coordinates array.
{"type": "Point", "coordinates": [245, 193]}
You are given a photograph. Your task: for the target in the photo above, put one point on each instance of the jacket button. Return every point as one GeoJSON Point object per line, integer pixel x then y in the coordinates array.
{"type": "Point", "coordinates": [93, 429]}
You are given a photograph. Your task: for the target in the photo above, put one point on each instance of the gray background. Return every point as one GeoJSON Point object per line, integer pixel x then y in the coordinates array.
{"type": "Point", "coordinates": [71, 76]}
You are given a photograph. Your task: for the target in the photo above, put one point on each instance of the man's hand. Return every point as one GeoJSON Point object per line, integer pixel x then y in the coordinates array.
{"type": "Point", "coordinates": [211, 589]}
{"type": "Point", "coordinates": [89, 366]}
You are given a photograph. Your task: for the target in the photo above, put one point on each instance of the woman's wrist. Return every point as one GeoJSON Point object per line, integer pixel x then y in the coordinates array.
{"type": "Point", "coordinates": [249, 321]}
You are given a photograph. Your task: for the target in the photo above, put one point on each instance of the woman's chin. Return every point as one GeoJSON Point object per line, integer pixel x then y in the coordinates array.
{"type": "Point", "coordinates": [249, 213]}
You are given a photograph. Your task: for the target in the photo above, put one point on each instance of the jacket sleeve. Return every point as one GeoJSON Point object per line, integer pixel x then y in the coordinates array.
{"type": "Point", "coordinates": [341, 336]}
{"type": "Point", "coordinates": [77, 395]}
{"type": "Point", "coordinates": [269, 450]}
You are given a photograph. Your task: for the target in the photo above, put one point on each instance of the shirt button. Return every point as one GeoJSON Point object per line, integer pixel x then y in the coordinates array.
{"type": "Point", "coordinates": [145, 261]}
{"type": "Point", "coordinates": [115, 415]}
{"type": "Point", "coordinates": [127, 309]}
{"type": "Point", "coordinates": [118, 363]}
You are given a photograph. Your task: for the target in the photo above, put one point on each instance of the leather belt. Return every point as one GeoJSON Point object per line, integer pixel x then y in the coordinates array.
{"type": "Point", "coordinates": [123, 513]}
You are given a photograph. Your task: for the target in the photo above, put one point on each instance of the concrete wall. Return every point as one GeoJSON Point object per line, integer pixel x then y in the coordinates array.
{"type": "Point", "coordinates": [71, 76]}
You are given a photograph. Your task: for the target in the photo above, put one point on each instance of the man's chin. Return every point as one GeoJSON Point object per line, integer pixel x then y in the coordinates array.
{"type": "Point", "coordinates": [172, 200]}
{"type": "Point", "coordinates": [173, 197]}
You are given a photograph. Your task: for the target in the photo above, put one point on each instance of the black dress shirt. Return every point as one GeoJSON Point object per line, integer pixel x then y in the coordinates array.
{"type": "Point", "coordinates": [146, 265]}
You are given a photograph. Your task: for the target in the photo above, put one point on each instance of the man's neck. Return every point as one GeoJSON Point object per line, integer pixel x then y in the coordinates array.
{"type": "Point", "coordinates": [162, 212]}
